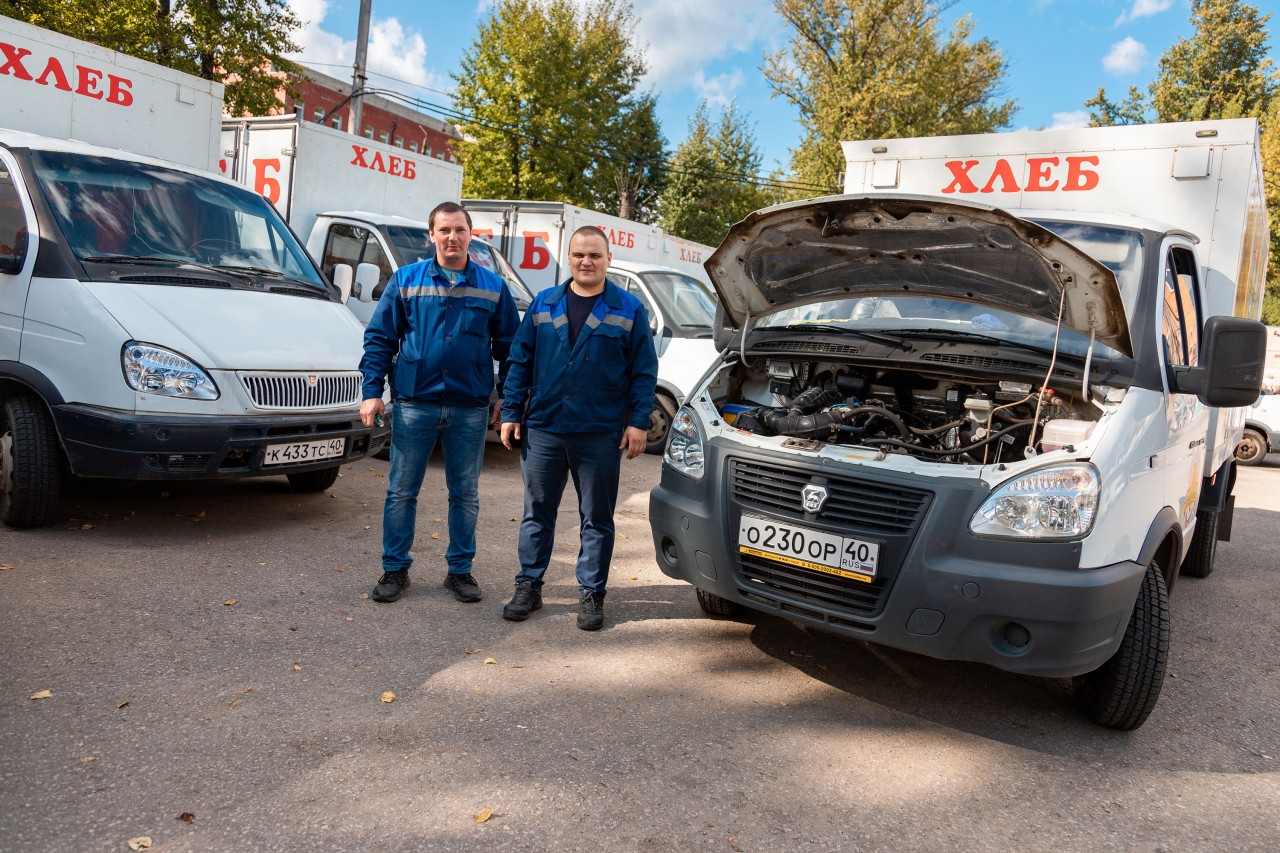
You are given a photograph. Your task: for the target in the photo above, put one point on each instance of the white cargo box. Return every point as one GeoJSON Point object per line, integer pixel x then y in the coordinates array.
{"type": "Point", "coordinates": [57, 86]}
{"type": "Point", "coordinates": [306, 169]}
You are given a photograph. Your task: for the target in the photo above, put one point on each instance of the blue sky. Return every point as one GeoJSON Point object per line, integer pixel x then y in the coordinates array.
{"type": "Point", "coordinates": [1058, 51]}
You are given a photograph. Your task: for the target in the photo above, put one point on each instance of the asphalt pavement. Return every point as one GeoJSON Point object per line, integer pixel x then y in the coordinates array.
{"type": "Point", "coordinates": [214, 677]}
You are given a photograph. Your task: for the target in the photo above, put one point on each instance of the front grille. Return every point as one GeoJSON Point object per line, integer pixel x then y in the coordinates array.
{"type": "Point", "coordinates": [302, 390]}
{"type": "Point", "coordinates": [188, 463]}
{"type": "Point", "coordinates": [873, 507]}
{"type": "Point", "coordinates": [765, 577]}
{"type": "Point", "coordinates": [815, 347]}
{"type": "Point", "coordinates": [185, 280]}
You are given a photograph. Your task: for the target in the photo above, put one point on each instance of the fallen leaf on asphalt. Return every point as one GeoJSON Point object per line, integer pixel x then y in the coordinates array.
{"type": "Point", "coordinates": [86, 527]}
{"type": "Point", "coordinates": [513, 518]}
{"type": "Point", "coordinates": [351, 618]}
{"type": "Point", "coordinates": [236, 704]}
{"type": "Point", "coordinates": [734, 845]}
{"type": "Point", "coordinates": [634, 578]}
{"type": "Point", "coordinates": [490, 660]}
{"type": "Point", "coordinates": [364, 596]}
{"type": "Point", "coordinates": [483, 815]}
{"type": "Point", "coordinates": [387, 696]}
{"type": "Point", "coordinates": [228, 602]}
{"type": "Point", "coordinates": [574, 757]}
{"type": "Point", "coordinates": [336, 569]}
{"type": "Point", "coordinates": [6, 568]}
{"type": "Point", "coordinates": [624, 536]}
{"type": "Point", "coordinates": [186, 817]}
{"type": "Point", "coordinates": [471, 651]}
{"type": "Point", "coordinates": [43, 694]}
{"type": "Point", "coordinates": [297, 667]}
{"type": "Point", "coordinates": [89, 759]}
{"type": "Point", "coordinates": [199, 516]}
{"type": "Point", "coordinates": [438, 520]}
{"type": "Point", "coordinates": [1266, 757]}
{"type": "Point", "coordinates": [377, 474]}
{"type": "Point", "coordinates": [783, 704]}
{"type": "Point", "coordinates": [248, 690]}
{"type": "Point", "coordinates": [142, 842]}
{"type": "Point", "coordinates": [261, 564]}
{"type": "Point", "coordinates": [123, 704]}
{"type": "Point", "coordinates": [435, 535]}
{"type": "Point", "coordinates": [366, 527]}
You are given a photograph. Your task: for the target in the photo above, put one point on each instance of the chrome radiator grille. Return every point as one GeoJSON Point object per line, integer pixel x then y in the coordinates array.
{"type": "Point", "coordinates": [302, 391]}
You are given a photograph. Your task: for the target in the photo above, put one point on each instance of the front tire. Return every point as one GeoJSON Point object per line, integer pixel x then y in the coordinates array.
{"type": "Point", "coordinates": [1121, 693]}
{"type": "Point", "coordinates": [1204, 546]}
{"type": "Point", "coordinates": [314, 481]}
{"type": "Point", "coordinates": [29, 454]}
{"type": "Point", "coordinates": [1252, 448]}
{"type": "Point", "coordinates": [714, 605]}
{"type": "Point", "coordinates": [660, 420]}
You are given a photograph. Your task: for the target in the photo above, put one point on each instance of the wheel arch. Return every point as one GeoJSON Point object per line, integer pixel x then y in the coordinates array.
{"type": "Point", "coordinates": [1164, 545]}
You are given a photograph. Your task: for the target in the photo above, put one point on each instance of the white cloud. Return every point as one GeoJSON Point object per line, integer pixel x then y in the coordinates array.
{"type": "Point", "coordinates": [1143, 9]}
{"type": "Point", "coordinates": [1068, 121]}
{"type": "Point", "coordinates": [397, 55]}
{"type": "Point", "coordinates": [1125, 57]}
{"type": "Point", "coordinates": [717, 91]}
{"type": "Point", "coordinates": [681, 39]}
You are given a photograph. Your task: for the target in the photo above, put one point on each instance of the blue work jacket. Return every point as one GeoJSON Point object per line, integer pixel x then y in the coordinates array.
{"type": "Point", "coordinates": [604, 383]}
{"type": "Point", "coordinates": [443, 338]}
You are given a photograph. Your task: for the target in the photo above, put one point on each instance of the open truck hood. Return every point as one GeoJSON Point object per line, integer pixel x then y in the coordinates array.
{"type": "Point", "coordinates": [842, 247]}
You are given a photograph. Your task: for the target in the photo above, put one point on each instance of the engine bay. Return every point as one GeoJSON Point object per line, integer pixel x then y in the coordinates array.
{"type": "Point", "coordinates": [935, 416]}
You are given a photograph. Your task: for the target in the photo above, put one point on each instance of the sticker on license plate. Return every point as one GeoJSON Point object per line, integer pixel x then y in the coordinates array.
{"type": "Point", "coordinates": [304, 451]}
{"type": "Point", "coordinates": [807, 548]}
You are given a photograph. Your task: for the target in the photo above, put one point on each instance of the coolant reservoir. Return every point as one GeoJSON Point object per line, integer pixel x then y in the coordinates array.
{"type": "Point", "coordinates": [1058, 434]}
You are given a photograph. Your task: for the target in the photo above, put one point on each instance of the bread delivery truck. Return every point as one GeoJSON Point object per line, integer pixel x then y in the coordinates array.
{"type": "Point", "coordinates": [982, 406]}
{"type": "Point", "coordinates": [156, 320]}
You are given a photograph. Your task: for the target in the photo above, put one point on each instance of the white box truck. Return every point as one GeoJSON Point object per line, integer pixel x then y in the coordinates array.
{"type": "Point", "coordinates": [982, 407]}
{"type": "Point", "coordinates": [156, 320]}
{"type": "Point", "coordinates": [665, 273]}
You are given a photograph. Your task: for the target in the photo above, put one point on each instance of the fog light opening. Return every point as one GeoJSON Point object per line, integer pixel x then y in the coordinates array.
{"type": "Point", "coordinates": [669, 552]}
{"type": "Point", "coordinates": [1016, 636]}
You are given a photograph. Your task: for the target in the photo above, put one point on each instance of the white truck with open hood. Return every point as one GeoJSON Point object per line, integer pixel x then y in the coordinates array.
{"type": "Point", "coordinates": [982, 406]}
{"type": "Point", "coordinates": [156, 321]}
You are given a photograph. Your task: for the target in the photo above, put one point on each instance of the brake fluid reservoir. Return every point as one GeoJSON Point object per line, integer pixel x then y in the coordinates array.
{"type": "Point", "coordinates": [1057, 434]}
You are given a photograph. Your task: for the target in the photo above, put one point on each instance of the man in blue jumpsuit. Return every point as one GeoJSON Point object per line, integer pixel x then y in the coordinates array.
{"type": "Point", "coordinates": [442, 322]}
{"type": "Point", "coordinates": [583, 371]}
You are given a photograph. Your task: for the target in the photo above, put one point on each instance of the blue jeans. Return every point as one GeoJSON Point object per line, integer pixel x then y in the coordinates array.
{"type": "Point", "coordinates": [547, 460]}
{"type": "Point", "coordinates": [461, 432]}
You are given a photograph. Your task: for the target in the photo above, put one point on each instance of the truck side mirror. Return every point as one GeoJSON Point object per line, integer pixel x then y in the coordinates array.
{"type": "Point", "coordinates": [343, 276]}
{"type": "Point", "coordinates": [367, 279]}
{"type": "Point", "coordinates": [1233, 352]}
{"type": "Point", "coordinates": [722, 331]}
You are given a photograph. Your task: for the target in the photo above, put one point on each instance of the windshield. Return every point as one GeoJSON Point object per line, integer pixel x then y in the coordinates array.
{"type": "Point", "coordinates": [491, 259]}
{"type": "Point", "coordinates": [410, 245]}
{"type": "Point", "coordinates": [1120, 250]}
{"type": "Point", "coordinates": [112, 209]}
{"type": "Point", "coordinates": [685, 301]}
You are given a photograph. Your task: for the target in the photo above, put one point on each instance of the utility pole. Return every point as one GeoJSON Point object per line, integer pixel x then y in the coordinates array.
{"type": "Point", "coordinates": [358, 76]}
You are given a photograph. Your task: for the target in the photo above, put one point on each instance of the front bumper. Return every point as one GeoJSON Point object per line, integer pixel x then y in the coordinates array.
{"type": "Point", "coordinates": [1020, 606]}
{"type": "Point", "coordinates": [108, 443]}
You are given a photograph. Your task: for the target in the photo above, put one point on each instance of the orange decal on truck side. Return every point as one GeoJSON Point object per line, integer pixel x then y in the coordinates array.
{"type": "Point", "coordinates": [88, 80]}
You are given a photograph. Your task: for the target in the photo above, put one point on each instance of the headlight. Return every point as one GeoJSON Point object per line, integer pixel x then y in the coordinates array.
{"type": "Point", "coordinates": [1051, 503]}
{"type": "Point", "coordinates": [684, 445]}
{"type": "Point", "coordinates": [156, 370]}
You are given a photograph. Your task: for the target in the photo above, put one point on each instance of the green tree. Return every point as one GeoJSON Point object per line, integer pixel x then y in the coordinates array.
{"type": "Point", "coordinates": [550, 106]}
{"type": "Point", "coordinates": [866, 69]}
{"type": "Point", "coordinates": [711, 178]}
{"type": "Point", "coordinates": [235, 42]}
{"type": "Point", "coordinates": [1103, 113]}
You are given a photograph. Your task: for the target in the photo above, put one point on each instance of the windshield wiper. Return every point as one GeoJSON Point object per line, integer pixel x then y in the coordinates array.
{"type": "Point", "coordinates": [887, 340]}
{"type": "Point", "coordinates": [975, 337]}
{"type": "Point", "coordinates": [254, 270]}
{"type": "Point", "coordinates": [134, 259]}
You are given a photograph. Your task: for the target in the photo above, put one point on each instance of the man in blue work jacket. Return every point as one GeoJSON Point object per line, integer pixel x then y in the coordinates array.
{"type": "Point", "coordinates": [583, 371]}
{"type": "Point", "coordinates": [442, 322]}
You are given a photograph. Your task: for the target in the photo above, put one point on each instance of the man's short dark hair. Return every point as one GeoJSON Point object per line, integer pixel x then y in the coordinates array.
{"type": "Point", "coordinates": [592, 231]}
{"type": "Point", "coordinates": [447, 207]}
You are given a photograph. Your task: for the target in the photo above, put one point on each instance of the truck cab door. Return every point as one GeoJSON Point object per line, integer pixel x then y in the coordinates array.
{"type": "Point", "coordinates": [1182, 459]}
{"type": "Point", "coordinates": [17, 258]}
{"type": "Point", "coordinates": [346, 243]}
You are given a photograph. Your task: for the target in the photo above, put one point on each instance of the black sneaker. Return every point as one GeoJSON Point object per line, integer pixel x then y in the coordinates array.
{"type": "Point", "coordinates": [463, 587]}
{"type": "Point", "coordinates": [591, 611]}
{"type": "Point", "coordinates": [525, 601]}
{"type": "Point", "coordinates": [392, 586]}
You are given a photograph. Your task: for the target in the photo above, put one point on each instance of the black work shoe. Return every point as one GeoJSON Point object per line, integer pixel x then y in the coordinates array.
{"type": "Point", "coordinates": [392, 586]}
{"type": "Point", "coordinates": [463, 587]}
{"type": "Point", "coordinates": [525, 601]}
{"type": "Point", "coordinates": [591, 611]}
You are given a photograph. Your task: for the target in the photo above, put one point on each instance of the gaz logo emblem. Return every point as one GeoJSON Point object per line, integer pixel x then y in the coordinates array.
{"type": "Point", "coordinates": [312, 379]}
{"type": "Point", "coordinates": [813, 497]}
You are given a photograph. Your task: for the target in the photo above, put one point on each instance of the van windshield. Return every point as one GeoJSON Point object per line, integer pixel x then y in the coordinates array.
{"type": "Point", "coordinates": [685, 301]}
{"type": "Point", "coordinates": [122, 211]}
{"type": "Point", "coordinates": [412, 244]}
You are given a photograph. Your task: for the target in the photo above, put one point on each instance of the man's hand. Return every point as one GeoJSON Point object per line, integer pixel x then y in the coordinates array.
{"type": "Point", "coordinates": [510, 430]}
{"type": "Point", "coordinates": [496, 417]}
{"type": "Point", "coordinates": [369, 410]}
{"type": "Point", "coordinates": [633, 441]}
